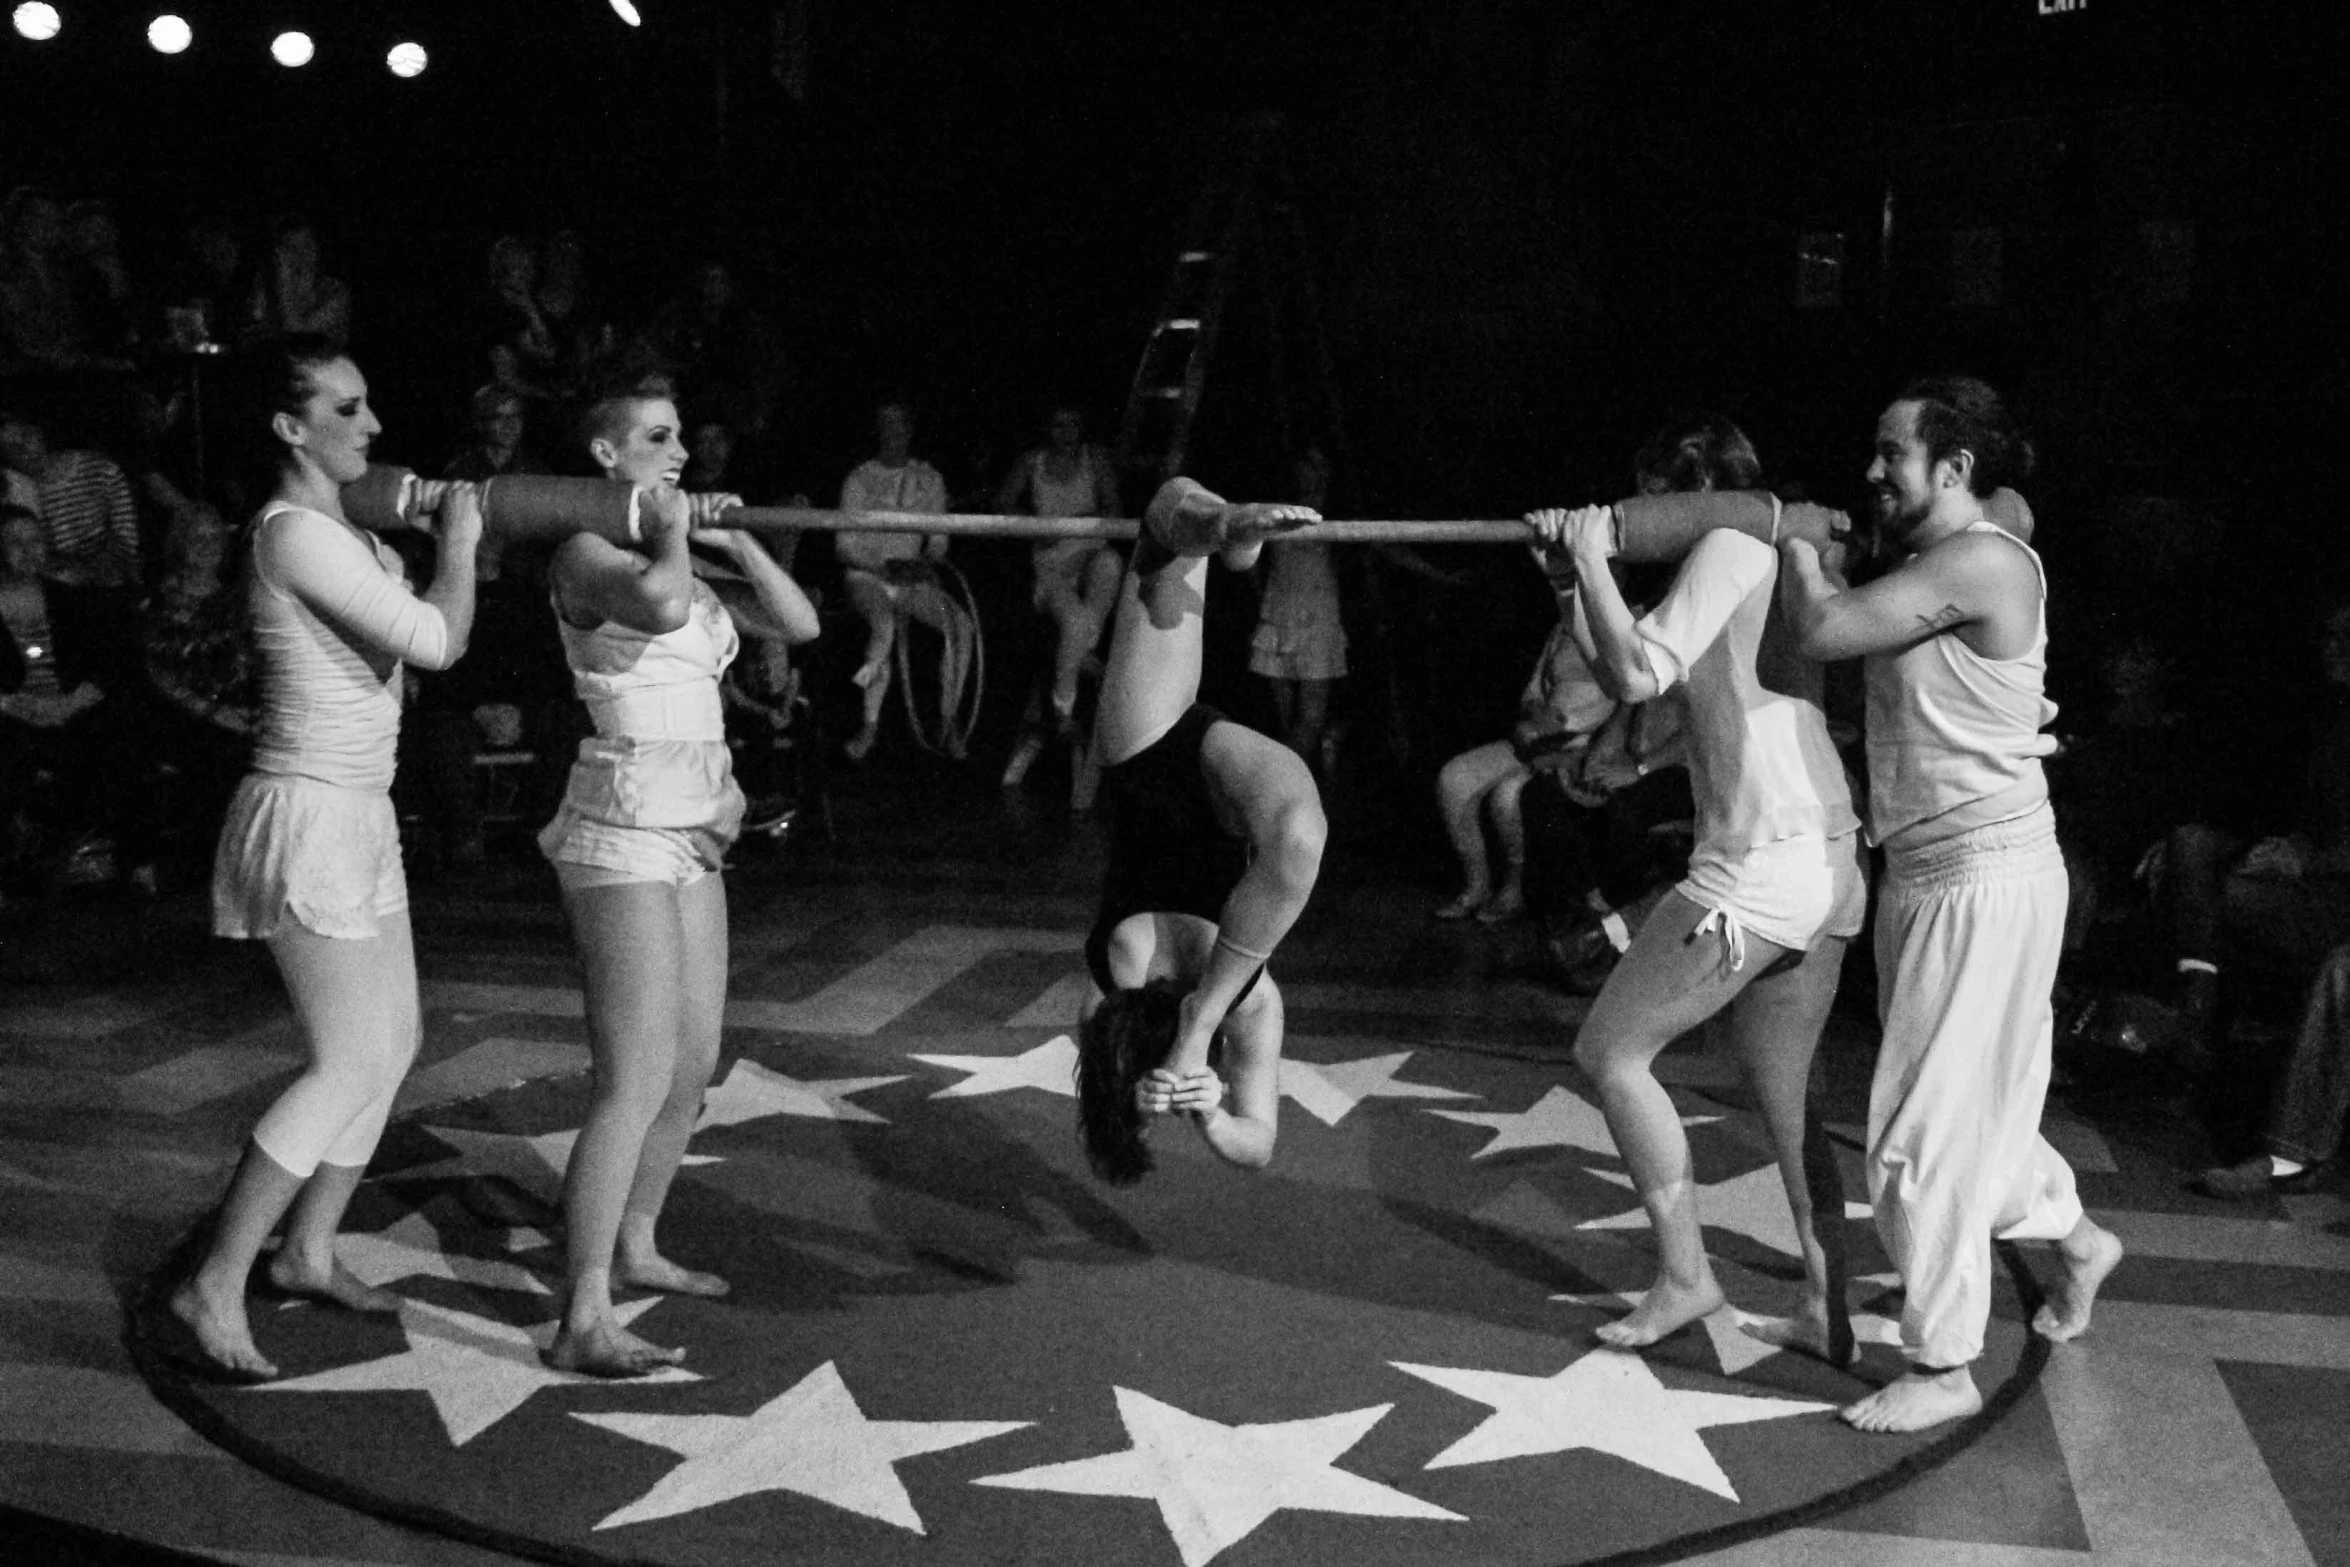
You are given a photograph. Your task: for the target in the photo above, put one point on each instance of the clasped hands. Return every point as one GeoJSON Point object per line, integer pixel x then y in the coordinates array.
{"type": "Point", "coordinates": [1177, 1086]}
{"type": "Point", "coordinates": [1587, 532]}
{"type": "Point", "coordinates": [1167, 1091]}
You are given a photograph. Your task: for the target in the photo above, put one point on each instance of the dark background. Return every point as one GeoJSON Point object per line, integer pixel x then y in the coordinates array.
{"type": "Point", "coordinates": [1535, 227]}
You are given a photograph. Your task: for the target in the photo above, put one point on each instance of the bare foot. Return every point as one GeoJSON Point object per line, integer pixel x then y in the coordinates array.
{"type": "Point", "coordinates": [222, 1334]}
{"type": "Point", "coordinates": [1665, 1310]}
{"type": "Point", "coordinates": [606, 1349]}
{"type": "Point", "coordinates": [1463, 906]}
{"type": "Point", "coordinates": [1812, 1331]}
{"type": "Point", "coordinates": [1506, 905]}
{"type": "Point", "coordinates": [656, 1272]}
{"type": "Point", "coordinates": [336, 1285]}
{"type": "Point", "coordinates": [1252, 522]}
{"type": "Point", "coordinates": [1913, 1402]}
{"type": "Point", "coordinates": [2089, 1254]}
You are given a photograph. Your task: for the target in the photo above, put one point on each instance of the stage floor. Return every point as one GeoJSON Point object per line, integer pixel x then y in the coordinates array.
{"type": "Point", "coordinates": [2205, 1420]}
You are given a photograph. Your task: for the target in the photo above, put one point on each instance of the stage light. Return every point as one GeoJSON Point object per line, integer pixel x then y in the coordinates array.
{"type": "Point", "coordinates": [38, 20]}
{"type": "Point", "coordinates": [292, 49]}
{"type": "Point", "coordinates": [169, 34]}
{"type": "Point", "coordinates": [406, 59]}
{"type": "Point", "coordinates": [626, 11]}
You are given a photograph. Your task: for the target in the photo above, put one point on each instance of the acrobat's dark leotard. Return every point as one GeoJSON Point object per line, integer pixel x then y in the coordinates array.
{"type": "Point", "coordinates": [1168, 852]}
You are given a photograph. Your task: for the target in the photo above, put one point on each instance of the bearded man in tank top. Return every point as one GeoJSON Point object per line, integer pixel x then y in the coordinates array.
{"type": "Point", "coordinates": [1971, 906]}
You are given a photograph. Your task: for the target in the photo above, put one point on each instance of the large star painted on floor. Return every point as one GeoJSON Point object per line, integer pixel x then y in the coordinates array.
{"type": "Point", "coordinates": [534, 1162]}
{"type": "Point", "coordinates": [1214, 1483]}
{"type": "Point", "coordinates": [1051, 1067]}
{"type": "Point", "coordinates": [1735, 1349]}
{"type": "Point", "coordinates": [1329, 1090]}
{"type": "Point", "coordinates": [1753, 1204]}
{"type": "Point", "coordinates": [476, 1370]}
{"type": "Point", "coordinates": [812, 1440]}
{"type": "Point", "coordinates": [412, 1248]}
{"type": "Point", "coordinates": [1607, 1402]}
{"type": "Point", "coordinates": [752, 1092]}
{"type": "Point", "coordinates": [1561, 1118]}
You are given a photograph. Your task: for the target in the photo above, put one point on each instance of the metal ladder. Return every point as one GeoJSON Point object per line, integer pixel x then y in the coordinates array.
{"type": "Point", "coordinates": [1244, 227]}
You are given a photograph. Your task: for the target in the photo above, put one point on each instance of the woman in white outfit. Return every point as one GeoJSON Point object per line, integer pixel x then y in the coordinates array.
{"type": "Point", "coordinates": [1774, 892]}
{"type": "Point", "coordinates": [1076, 579]}
{"type": "Point", "coordinates": [309, 855]}
{"type": "Point", "coordinates": [638, 844]}
{"type": "Point", "coordinates": [893, 577]}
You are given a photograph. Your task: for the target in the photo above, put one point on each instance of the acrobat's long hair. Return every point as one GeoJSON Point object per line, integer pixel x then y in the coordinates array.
{"type": "Point", "coordinates": [1129, 1036]}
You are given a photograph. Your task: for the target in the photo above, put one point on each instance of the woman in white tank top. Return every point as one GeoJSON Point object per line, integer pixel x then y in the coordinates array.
{"type": "Point", "coordinates": [1076, 579]}
{"type": "Point", "coordinates": [309, 856]}
{"type": "Point", "coordinates": [638, 844]}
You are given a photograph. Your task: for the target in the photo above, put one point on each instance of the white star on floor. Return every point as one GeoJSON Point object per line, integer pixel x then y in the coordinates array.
{"type": "Point", "coordinates": [812, 1440]}
{"type": "Point", "coordinates": [1736, 1349]}
{"type": "Point", "coordinates": [1608, 1402]}
{"type": "Point", "coordinates": [412, 1247]}
{"type": "Point", "coordinates": [1214, 1483]}
{"type": "Point", "coordinates": [1753, 1204]}
{"type": "Point", "coordinates": [1733, 1347]}
{"type": "Point", "coordinates": [751, 1092]}
{"type": "Point", "coordinates": [1560, 1118]}
{"type": "Point", "coordinates": [1328, 1090]}
{"type": "Point", "coordinates": [534, 1163]}
{"type": "Point", "coordinates": [477, 1370]}
{"type": "Point", "coordinates": [1051, 1066]}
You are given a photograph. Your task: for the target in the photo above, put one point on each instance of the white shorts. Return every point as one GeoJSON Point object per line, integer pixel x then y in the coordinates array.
{"type": "Point", "coordinates": [589, 853]}
{"type": "Point", "coordinates": [1795, 893]}
{"type": "Point", "coordinates": [326, 855]}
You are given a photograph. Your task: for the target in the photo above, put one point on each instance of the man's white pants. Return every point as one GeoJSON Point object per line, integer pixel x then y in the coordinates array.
{"type": "Point", "coordinates": [1968, 936]}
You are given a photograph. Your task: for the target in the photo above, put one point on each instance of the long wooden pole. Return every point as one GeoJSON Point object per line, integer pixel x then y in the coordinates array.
{"type": "Point", "coordinates": [790, 519]}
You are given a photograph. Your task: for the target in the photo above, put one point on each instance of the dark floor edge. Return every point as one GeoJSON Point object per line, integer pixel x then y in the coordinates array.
{"type": "Point", "coordinates": [166, 1378]}
{"type": "Point", "coordinates": [1949, 1445]}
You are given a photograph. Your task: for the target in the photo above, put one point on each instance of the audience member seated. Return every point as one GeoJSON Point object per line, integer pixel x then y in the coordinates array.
{"type": "Point", "coordinates": [59, 717]}
{"type": "Point", "coordinates": [520, 344]}
{"type": "Point", "coordinates": [1605, 839]}
{"type": "Point", "coordinates": [88, 518]}
{"type": "Point", "coordinates": [2302, 1132]}
{"type": "Point", "coordinates": [2273, 904]}
{"type": "Point", "coordinates": [891, 578]}
{"type": "Point", "coordinates": [761, 693]}
{"type": "Point", "coordinates": [40, 328]}
{"type": "Point", "coordinates": [578, 335]}
{"type": "Point", "coordinates": [2122, 782]}
{"type": "Point", "coordinates": [292, 293]}
{"type": "Point", "coordinates": [1560, 710]}
{"type": "Point", "coordinates": [196, 642]}
{"type": "Point", "coordinates": [1076, 580]}
{"type": "Point", "coordinates": [717, 463]}
{"type": "Point", "coordinates": [1299, 648]}
{"type": "Point", "coordinates": [500, 438]}
{"type": "Point", "coordinates": [510, 692]}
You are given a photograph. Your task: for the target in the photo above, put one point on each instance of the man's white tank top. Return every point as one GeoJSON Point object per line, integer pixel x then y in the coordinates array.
{"type": "Point", "coordinates": [1955, 739]}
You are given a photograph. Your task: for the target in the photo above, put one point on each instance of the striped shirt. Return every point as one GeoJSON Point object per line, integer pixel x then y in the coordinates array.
{"type": "Point", "coordinates": [91, 522]}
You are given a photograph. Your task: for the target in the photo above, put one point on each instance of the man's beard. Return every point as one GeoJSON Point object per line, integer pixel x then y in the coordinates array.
{"type": "Point", "coordinates": [1897, 522]}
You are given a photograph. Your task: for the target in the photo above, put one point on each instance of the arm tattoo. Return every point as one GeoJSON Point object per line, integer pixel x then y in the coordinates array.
{"type": "Point", "coordinates": [1942, 619]}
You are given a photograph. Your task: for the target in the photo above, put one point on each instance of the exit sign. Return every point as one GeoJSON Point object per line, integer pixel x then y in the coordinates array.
{"type": "Point", "coordinates": [2061, 7]}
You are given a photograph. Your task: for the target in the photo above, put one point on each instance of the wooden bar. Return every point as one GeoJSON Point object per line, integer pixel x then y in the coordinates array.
{"type": "Point", "coordinates": [790, 519]}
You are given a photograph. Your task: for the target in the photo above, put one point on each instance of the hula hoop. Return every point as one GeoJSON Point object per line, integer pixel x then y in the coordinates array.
{"type": "Point", "coordinates": [964, 719]}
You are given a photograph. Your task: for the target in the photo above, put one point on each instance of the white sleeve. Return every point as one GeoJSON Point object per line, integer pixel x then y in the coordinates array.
{"type": "Point", "coordinates": [318, 562]}
{"type": "Point", "coordinates": [1720, 574]}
